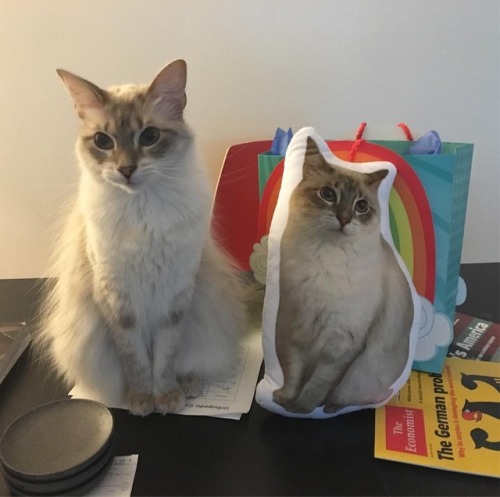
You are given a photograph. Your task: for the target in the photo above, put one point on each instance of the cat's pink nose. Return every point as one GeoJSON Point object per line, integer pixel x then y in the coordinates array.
{"type": "Point", "coordinates": [127, 170]}
{"type": "Point", "coordinates": [343, 220]}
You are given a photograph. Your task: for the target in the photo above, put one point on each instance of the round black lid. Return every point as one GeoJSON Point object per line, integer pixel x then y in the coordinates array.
{"type": "Point", "coordinates": [56, 440]}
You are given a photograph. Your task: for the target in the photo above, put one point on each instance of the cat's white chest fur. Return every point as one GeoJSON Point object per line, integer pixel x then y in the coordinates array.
{"type": "Point", "coordinates": [141, 247]}
{"type": "Point", "coordinates": [336, 283]}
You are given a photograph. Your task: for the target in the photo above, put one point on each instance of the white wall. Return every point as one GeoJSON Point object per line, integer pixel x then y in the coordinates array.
{"type": "Point", "coordinates": [253, 66]}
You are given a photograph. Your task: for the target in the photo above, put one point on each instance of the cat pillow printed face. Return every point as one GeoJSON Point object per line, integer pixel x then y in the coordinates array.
{"type": "Point", "coordinates": [340, 313]}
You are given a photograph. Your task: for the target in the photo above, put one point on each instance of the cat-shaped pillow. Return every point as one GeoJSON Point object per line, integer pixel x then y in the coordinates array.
{"type": "Point", "coordinates": [341, 314]}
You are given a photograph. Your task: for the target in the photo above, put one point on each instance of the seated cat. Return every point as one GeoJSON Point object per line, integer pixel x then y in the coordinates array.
{"type": "Point", "coordinates": [345, 307]}
{"type": "Point", "coordinates": [145, 305]}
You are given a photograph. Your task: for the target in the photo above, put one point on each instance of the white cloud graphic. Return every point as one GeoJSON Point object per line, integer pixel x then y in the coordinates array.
{"type": "Point", "coordinates": [258, 260]}
{"type": "Point", "coordinates": [435, 331]}
{"type": "Point", "coordinates": [461, 291]}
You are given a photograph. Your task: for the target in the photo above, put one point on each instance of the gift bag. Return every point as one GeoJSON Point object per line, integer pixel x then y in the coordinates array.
{"type": "Point", "coordinates": [341, 314]}
{"type": "Point", "coordinates": [435, 226]}
{"type": "Point", "coordinates": [268, 160]}
{"type": "Point", "coordinates": [427, 215]}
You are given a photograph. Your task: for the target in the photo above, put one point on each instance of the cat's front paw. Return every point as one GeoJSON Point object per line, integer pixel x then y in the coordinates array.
{"type": "Point", "coordinates": [291, 404]}
{"type": "Point", "coordinates": [280, 397]}
{"type": "Point", "coordinates": [332, 409]}
{"type": "Point", "coordinates": [192, 386]}
{"type": "Point", "coordinates": [173, 401]}
{"type": "Point", "coordinates": [284, 399]}
{"type": "Point", "coordinates": [141, 404]}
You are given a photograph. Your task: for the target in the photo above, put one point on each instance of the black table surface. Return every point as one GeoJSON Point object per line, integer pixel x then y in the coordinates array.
{"type": "Point", "coordinates": [263, 453]}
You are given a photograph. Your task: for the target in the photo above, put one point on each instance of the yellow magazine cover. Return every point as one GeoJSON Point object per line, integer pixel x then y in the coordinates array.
{"type": "Point", "coordinates": [448, 421]}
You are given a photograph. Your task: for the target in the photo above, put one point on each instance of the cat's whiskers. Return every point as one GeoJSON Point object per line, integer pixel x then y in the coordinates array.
{"type": "Point", "coordinates": [237, 174]}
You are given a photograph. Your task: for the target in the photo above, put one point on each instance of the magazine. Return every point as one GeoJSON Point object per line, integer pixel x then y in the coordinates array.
{"type": "Point", "coordinates": [475, 338]}
{"type": "Point", "coordinates": [447, 421]}
{"type": "Point", "coordinates": [14, 338]}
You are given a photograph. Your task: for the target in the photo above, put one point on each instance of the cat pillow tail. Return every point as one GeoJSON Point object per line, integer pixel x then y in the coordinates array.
{"type": "Point", "coordinates": [341, 314]}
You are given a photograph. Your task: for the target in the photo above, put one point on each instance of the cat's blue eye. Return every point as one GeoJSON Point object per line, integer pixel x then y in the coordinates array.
{"type": "Point", "coordinates": [361, 206]}
{"type": "Point", "coordinates": [149, 136]}
{"type": "Point", "coordinates": [328, 193]}
{"type": "Point", "coordinates": [103, 141]}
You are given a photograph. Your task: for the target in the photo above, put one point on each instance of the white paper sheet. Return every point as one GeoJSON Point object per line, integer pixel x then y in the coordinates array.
{"type": "Point", "coordinates": [119, 480]}
{"type": "Point", "coordinates": [226, 397]}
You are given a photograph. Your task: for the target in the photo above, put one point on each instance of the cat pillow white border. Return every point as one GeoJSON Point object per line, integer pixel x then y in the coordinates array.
{"type": "Point", "coordinates": [292, 396]}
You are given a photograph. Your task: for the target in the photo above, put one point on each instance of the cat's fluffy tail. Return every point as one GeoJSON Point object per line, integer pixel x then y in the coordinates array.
{"type": "Point", "coordinates": [253, 293]}
{"type": "Point", "coordinates": [71, 334]}
{"type": "Point", "coordinates": [217, 320]}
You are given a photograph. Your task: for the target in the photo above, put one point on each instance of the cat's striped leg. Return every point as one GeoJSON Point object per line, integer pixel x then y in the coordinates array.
{"type": "Point", "coordinates": [293, 366]}
{"type": "Point", "coordinates": [137, 372]}
{"type": "Point", "coordinates": [168, 394]}
{"type": "Point", "coordinates": [327, 374]}
{"type": "Point", "coordinates": [166, 337]}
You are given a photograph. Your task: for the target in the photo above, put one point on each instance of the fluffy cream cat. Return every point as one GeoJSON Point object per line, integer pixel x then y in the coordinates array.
{"type": "Point", "coordinates": [145, 305]}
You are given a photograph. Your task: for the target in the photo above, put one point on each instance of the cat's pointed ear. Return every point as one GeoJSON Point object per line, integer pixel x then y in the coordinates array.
{"type": "Point", "coordinates": [374, 179]}
{"type": "Point", "coordinates": [314, 161]}
{"type": "Point", "coordinates": [167, 92]}
{"type": "Point", "coordinates": [86, 96]}
{"type": "Point", "coordinates": [312, 147]}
